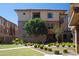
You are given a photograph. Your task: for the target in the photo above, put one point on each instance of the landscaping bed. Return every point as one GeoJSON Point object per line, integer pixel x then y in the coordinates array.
{"type": "Point", "coordinates": [51, 48]}
{"type": "Point", "coordinates": [56, 48]}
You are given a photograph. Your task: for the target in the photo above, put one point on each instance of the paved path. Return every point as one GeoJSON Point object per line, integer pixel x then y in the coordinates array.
{"type": "Point", "coordinates": [14, 48]}
{"type": "Point", "coordinates": [45, 54]}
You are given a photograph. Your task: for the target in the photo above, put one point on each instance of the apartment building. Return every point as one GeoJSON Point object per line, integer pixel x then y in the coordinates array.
{"type": "Point", "coordinates": [51, 17]}
{"type": "Point", "coordinates": [74, 23]}
{"type": "Point", "coordinates": [7, 31]}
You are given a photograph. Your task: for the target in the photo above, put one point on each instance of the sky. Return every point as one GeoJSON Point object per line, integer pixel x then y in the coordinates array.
{"type": "Point", "coordinates": [7, 9]}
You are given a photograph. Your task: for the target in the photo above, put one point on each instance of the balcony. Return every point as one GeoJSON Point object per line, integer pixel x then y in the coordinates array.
{"type": "Point", "coordinates": [73, 20]}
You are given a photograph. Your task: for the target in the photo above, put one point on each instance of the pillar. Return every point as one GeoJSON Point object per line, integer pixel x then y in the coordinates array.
{"type": "Point", "coordinates": [77, 39]}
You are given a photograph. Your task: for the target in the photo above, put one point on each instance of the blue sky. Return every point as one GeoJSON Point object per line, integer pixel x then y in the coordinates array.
{"type": "Point", "coordinates": [7, 9]}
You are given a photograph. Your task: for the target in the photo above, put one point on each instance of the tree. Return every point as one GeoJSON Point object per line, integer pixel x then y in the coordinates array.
{"type": "Point", "coordinates": [59, 33]}
{"type": "Point", "coordinates": [35, 26]}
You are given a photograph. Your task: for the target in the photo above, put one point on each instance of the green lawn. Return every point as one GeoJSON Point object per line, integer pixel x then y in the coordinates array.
{"type": "Point", "coordinates": [20, 52]}
{"type": "Point", "coordinates": [2, 46]}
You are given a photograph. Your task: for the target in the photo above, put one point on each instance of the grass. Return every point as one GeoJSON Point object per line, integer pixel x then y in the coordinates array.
{"type": "Point", "coordinates": [2, 46]}
{"type": "Point", "coordinates": [20, 52]}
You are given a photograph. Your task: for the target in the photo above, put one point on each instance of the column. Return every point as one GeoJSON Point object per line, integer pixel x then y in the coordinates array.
{"type": "Point", "coordinates": [77, 39]}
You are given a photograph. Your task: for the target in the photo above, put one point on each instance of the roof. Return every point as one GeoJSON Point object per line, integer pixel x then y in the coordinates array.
{"type": "Point", "coordinates": [38, 10]}
{"type": "Point", "coordinates": [7, 20]}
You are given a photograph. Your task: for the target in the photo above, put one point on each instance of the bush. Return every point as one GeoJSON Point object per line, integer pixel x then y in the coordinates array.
{"type": "Point", "coordinates": [18, 41]}
{"type": "Point", "coordinates": [25, 44]}
{"type": "Point", "coordinates": [50, 49]}
{"type": "Point", "coordinates": [57, 45]}
{"type": "Point", "coordinates": [35, 46]}
{"type": "Point", "coordinates": [57, 52]}
{"type": "Point", "coordinates": [63, 45]}
{"type": "Point", "coordinates": [38, 45]}
{"type": "Point", "coordinates": [41, 47]}
{"type": "Point", "coordinates": [45, 48]}
{"type": "Point", "coordinates": [54, 44]}
{"type": "Point", "coordinates": [49, 45]}
{"type": "Point", "coordinates": [69, 45]}
{"type": "Point", "coordinates": [65, 51]}
{"type": "Point", "coordinates": [74, 46]}
{"type": "Point", "coordinates": [29, 44]}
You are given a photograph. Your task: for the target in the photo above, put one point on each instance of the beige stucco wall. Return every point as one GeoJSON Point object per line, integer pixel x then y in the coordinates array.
{"type": "Point", "coordinates": [38, 38]}
{"type": "Point", "coordinates": [43, 15]}
{"type": "Point", "coordinates": [28, 15]}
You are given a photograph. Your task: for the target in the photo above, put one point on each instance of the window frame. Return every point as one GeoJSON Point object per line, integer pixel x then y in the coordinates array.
{"type": "Point", "coordinates": [35, 13]}
{"type": "Point", "coordinates": [50, 15]}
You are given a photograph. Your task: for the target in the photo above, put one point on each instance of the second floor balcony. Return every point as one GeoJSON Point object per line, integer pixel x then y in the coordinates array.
{"type": "Point", "coordinates": [74, 18]}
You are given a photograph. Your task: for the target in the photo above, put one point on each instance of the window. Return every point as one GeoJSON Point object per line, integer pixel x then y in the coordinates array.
{"type": "Point", "coordinates": [0, 28]}
{"type": "Point", "coordinates": [24, 13]}
{"type": "Point", "coordinates": [50, 26]}
{"type": "Point", "coordinates": [8, 24]}
{"type": "Point", "coordinates": [50, 15]}
{"type": "Point", "coordinates": [7, 30]}
{"type": "Point", "coordinates": [1, 21]}
{"type": "Point", "coordinates": [36, 15]}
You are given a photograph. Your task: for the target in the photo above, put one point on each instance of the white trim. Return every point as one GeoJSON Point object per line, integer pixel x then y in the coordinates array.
{"type": "Point", "coordinates": [71, 17]}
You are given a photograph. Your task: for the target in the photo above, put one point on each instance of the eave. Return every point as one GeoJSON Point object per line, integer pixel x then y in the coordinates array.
{"type": "Point", "coordinates": [74, 20]}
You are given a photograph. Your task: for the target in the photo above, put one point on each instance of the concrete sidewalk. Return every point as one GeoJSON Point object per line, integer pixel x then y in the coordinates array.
{"type": "Point", "coordinates": [14, 48]}
{"type": "Point", "coordinates": [45, 54]}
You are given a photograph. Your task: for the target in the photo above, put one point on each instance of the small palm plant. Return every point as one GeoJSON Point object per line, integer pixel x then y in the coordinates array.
{"type": "Point", "coordinates": [58, 31]}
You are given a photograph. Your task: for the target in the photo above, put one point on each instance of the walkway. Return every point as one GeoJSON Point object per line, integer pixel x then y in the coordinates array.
{"type": "Point", "coordinates": [45, 54]}
{"type": "Point", "coordinates": [12, 48]}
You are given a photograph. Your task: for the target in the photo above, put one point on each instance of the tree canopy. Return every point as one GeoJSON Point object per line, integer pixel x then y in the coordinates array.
{"type": "Point", "coordinates": [35, 26]}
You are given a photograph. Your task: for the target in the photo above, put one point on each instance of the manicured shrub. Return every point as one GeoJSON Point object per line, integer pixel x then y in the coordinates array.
{"type": "Point", "coordinates": [63, 45]}
{"type": "Point", "coordinates": [54, 44]}
{"type": "Point", "coordinates": [31, 45]}
{"type": "Point", "coordinates": [57, 45]}
{"type": "Point", "coordinates": [57, 52]}
{"type": "Point", "coordinates": [65, 51]}
{"type": "Point", "coordinates": [49, 45]}
{"type": "Point", "coordinates": [41, 46]}
{"type": "Point", "coordinates": [50, 49]}
{"type": "Point", "coordinates": [74, 46]}
{"type": "Point", "coordinates": [45, 48]}
{"type": "Point", "coordinates": [69, 45]}
{"type": "Point", "coordinates": [18, 41]}
{"type": "Point", "coordinates": [28, 43]}
{"type": "Point", "coordinates": [35, 46]}
{"type": "Point", "coordinates": [38, 45]}
{"type": "Point", "coordinates": [25, 44]}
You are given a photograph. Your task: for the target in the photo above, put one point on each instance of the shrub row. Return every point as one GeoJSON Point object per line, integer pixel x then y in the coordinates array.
{"type": "Point", "coordinates": [29, 44]}
{"type": "Point", "coordinates": [61, 44]}
{"type": "Point", "coordinates": [57, 52]}
{"type": "Point", "coordinates": [49, 49]}
{"type": "Point", "coordinates": [42, 47]}
{"type": "Point", "coordinates": [52, 44]}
